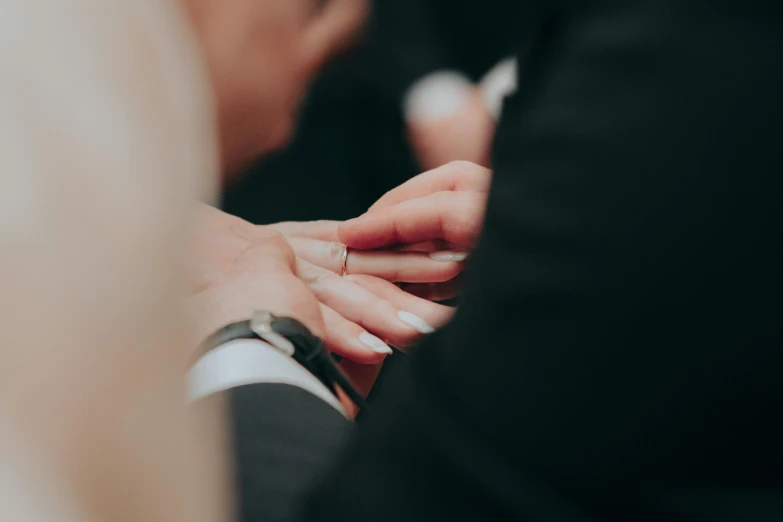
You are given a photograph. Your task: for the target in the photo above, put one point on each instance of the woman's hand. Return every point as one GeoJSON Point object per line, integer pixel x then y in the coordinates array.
{"type": "Point", "coordinates": [442, 209]}
{"type": "Point", "coordinates": [316, 242]}
{"type": "Point", "coordinates": [351, 306]}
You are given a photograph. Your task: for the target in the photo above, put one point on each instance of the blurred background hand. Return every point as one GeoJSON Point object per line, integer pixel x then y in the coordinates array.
{"type": "Point", "coordinates": [447, 120]}
{"type": "Point", "coordinates": [464, 134]}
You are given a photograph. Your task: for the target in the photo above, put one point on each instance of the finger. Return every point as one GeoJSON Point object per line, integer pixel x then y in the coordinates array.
{"type": "Point", "coordinates": [321, 230]}
{"type": "Point", "coordinates": [336, 26]}
{"type": "Point", "coordinates": [264, 278]}
{"type": "Point", "coordinates": [433, 291]}
{"type": "Point", "coordinates": [362, 376]}
{"type": "Point", "coordinates": [351, 409]}
{"type": "Point", "coordinates": [456, 176]}
{"type": "Point", "coordinates": [425, 246]}
{"type": "Point", "coordinates": [434, 314]}
{"type": "Point", "coordinates": [267, 253]}
{"type": "Point", "coordinates": [356, 304]}
{"type": "Point", "coordinates": [351, 340]}
{"type": "Point", "coordinates": [455, 217]}
{"type": "Point", "coordinates": [393, 266]}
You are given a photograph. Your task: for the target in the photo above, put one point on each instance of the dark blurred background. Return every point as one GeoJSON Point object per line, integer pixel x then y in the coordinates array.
{"type": "Point", "coordinates": [351, 145]}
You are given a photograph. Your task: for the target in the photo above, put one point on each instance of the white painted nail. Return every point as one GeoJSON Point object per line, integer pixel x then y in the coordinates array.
{"type": "Point", "coordinates": [416, 322]}
{"type": "Point", "coordinates": [446, 255]}
{"type": "Point", "coordinates": [373, 342]}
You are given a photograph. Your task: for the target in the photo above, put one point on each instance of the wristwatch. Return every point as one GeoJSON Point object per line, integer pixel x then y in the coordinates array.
{"type": "Point", "coordinates": [293, 339]}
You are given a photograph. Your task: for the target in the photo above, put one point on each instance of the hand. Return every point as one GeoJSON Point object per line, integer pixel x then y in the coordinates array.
{"type": "Point", "coordinates": [464, 135]}
{"type": "Point", "coordinates": [442, 208]}
{"type": "Point", "coordinates": [351, 306]}
{"type": "Point", "coordinates": [316, 242]}
{"type": "Point", "coordinates": [262, 276]}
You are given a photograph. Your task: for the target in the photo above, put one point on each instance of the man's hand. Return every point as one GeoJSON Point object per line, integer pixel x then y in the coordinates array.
{"type": "Point", "coordinates": [440, 209]}
{"type": "Point", "coordinates": [446, 205]}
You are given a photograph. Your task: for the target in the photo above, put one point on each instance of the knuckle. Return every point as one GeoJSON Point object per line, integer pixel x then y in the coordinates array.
{"type": "Point", "coordinates": [334, 250]}
{"type": "Point", "coordinates": [317, 276]}
{"type": "Point", "coordinates": [272, 237]}
{"type": "Point", "coordinates": [276, 242]}
{"type": "Point", "coordinates": [443, 198]}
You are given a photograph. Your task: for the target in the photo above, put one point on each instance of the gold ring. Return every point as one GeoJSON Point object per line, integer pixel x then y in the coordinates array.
{"type": "Point", "coordinates": [344, 263]}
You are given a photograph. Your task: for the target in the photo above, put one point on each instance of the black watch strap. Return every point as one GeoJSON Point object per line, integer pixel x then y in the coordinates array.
{"type": "Point", "coordinates": [294, 339]}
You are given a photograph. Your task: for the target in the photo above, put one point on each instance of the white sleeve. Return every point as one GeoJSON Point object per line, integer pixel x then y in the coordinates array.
{"type": "Point", "coordinates": [443, 93]}
{"type": "Point", "coordinates": [437, 95]}
{"type": "Point", "coordinates": [498, 84]}
{"type": "Point", "coordinates": [250, 361]}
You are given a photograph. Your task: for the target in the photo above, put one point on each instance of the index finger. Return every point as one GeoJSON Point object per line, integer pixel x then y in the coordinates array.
{"type": "Point", "coordinates": [455, 217]}
{"type": "Point", "coordinates": [456, 176]}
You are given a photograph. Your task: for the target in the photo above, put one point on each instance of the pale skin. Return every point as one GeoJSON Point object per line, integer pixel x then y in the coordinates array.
{"type": "Point", "coordinates": [365, 301]}
{"type": "Point", "coordinates": [91, 383]}
{"type": "Point", "coordinates": [297, 276]}
{"type": "Point", "coordinates": [357, 315]}
{"type": "Point", "coordinates": [262, 56]}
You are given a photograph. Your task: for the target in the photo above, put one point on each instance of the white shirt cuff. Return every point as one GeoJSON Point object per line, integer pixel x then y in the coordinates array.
{"type": "Point", "coordinates": [251, 361]}
{"type": "Point", "coordinates": [443, 93]}
{"type": "Point", "coordinates": [499, 83]}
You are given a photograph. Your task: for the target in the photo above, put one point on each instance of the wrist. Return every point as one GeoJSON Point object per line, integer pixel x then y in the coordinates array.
{"type": "Point", "coordinates": [243, 362]}
{"type": "Point", "coordinates": [291, 339]}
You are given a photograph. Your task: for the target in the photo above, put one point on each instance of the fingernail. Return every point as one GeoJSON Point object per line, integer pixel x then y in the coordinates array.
{"type": "Point", "coordinates": [449, 256]}
{"type": "Point", "coordinates": [416, 322]}
{"type": "Point", "coordinates": [373, 342]}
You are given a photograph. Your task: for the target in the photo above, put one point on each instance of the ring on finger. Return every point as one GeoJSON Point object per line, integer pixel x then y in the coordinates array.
{"type": "Point", "coordinates": [344, 261]}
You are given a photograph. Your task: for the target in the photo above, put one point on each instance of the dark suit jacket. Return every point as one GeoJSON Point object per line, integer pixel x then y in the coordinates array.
{"type": "Point", "coordinates": [618, 354]}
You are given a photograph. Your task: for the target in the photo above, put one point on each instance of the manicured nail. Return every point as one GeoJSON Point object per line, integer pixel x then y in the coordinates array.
{"type": "Point", "coordinates": [373, 342]}
{"type": "Point", "coordinates": [449, 256]}
{"type": "Point", "coordinates": [416, 322]}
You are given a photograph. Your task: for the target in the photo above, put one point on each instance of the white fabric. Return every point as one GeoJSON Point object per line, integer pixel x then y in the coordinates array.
{"type": "Point", "coordinates": [497, 84]}
{"type": "Point", "coordinates": [438, 95]}
{"type": "Point", "coordinates": [251, 361]}
{"type": "Point", "coordinates": [443, 93]}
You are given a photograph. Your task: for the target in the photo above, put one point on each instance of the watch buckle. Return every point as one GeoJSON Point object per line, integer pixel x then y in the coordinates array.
{"type": "Point", "coordinates": [261, 324]}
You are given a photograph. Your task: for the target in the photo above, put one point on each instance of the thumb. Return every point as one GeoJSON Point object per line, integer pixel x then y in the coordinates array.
{"type": "Point", "coordinates": [267, 253]}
